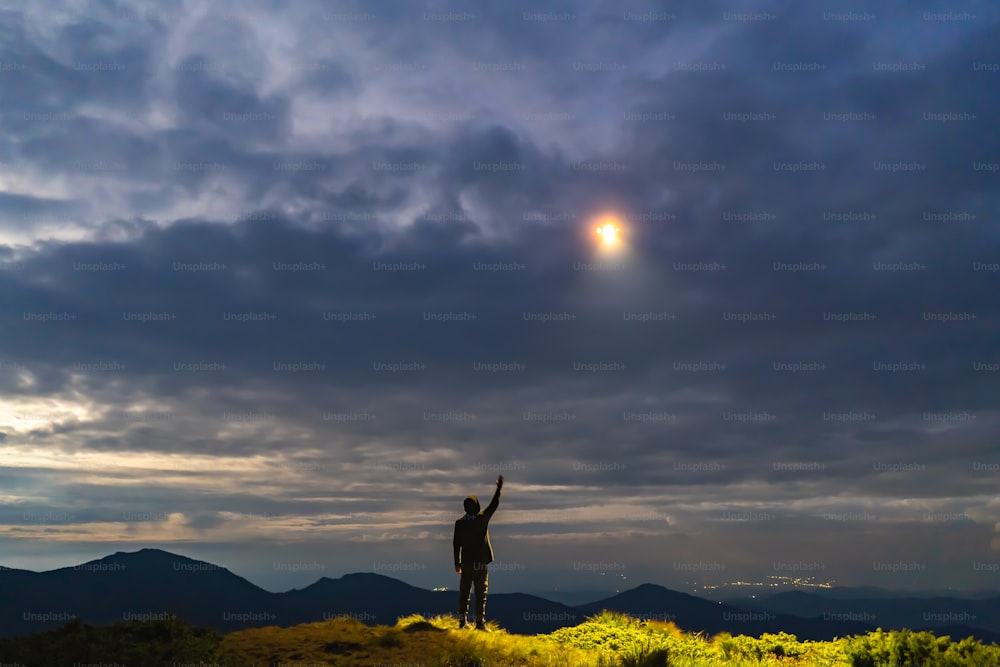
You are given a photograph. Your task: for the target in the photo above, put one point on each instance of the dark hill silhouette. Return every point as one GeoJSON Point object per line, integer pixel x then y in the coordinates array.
{"type": "Point", "coordinates": [124, 586]}
{"type": "Point", "coordinates": [875, 593]}
{"type": "Point", "coordinates": [373, 599]}
{"type": "Point", "coordinates": [901, 611]}
{"type": "Point", "coordinates": [734, 596]}
{"type": "Point", "coordinates": [866, 592]}
{"type": "Point", "coordinates": [152, 582]}
{"type": "Point", "coordinates": [573, 598]}
{"type": "Point", "coordinates": [740, 597]}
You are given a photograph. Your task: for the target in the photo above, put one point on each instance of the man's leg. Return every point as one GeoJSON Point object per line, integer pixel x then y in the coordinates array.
{"type": "Point", "coordinates": [464, 590]}
{"type": "Point", "coordinates": [482, 583]}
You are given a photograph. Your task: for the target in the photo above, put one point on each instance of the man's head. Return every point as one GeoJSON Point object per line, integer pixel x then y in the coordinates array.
{"type": "Point", "coordinates": [471, 504]}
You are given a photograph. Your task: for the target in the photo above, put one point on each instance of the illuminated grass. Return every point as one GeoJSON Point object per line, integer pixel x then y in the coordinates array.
{"type": "Point", "coordinates": [611, 639]}
{"type": "Point", "coordinates": [608, 639]}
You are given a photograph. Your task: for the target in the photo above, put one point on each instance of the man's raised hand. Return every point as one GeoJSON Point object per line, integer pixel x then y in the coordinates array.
{"type": "Point", "coordinates": [499, 481]}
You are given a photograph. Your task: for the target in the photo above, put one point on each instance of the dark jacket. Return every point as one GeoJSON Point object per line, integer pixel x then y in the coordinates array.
{"type": "Point", "coordinates": [472, 536]}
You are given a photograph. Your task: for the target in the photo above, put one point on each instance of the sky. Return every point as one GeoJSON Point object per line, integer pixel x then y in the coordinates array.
{"type": "Point", "coordinates": [282, 282]}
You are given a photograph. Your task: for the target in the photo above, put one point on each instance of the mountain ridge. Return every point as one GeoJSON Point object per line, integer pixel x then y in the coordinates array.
{"type": "Point", "coordinates": [152, 583]}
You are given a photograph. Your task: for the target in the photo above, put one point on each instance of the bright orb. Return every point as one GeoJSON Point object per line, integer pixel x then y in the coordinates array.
{"type": "Point", "coordinates": [609, 233]}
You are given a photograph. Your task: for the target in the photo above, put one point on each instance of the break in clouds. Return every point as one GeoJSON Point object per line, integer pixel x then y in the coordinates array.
{"type": "Point", "coordinates": [283, 282]}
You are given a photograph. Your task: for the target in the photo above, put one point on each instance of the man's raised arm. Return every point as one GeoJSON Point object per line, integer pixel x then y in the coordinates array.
{"type": "Point", "coordinates": [495, 503]}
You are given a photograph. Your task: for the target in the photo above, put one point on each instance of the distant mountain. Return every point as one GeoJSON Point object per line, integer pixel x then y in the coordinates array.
{"type": "Point", "coordinates": [888, 612]}
{"type": "Point", "coordinates": [123, 586]}
{"type": "Point", "coordinates": [876, 593]}
{"type": "Point", "coordinates": [573, 597]}
{"type": "Point", "coordinates": [738, 596]}
{"type": "Point", "coordinates": [152, 583]}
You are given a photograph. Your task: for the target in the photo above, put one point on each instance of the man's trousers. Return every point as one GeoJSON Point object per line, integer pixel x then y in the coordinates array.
{"type": "Point", "coordinates": [473, 574]}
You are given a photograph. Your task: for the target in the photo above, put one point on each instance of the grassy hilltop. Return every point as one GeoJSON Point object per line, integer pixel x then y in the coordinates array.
{"type": "Point", "coordinates": [605, 640]}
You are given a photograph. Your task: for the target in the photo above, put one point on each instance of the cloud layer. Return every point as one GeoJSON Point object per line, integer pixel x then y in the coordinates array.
{"type": "Point", "coordinates": [282, 284]}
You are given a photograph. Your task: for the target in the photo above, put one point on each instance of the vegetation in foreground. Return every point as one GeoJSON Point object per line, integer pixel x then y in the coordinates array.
{"type": "Point", "coordinates": [608, 639]}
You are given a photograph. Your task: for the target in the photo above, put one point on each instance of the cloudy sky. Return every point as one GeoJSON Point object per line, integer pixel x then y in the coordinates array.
{"type": "Point", "coordinates": [282, 282]}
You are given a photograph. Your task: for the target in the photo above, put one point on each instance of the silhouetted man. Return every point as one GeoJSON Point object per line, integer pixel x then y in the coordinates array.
{"type": "Point", "coordinates": [473, 552]}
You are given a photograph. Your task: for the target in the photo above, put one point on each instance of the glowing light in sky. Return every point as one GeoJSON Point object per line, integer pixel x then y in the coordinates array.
{"type": "Point", "coordinates": [608, 233]}
{"type": "Point", "coordinates": [610, 236]}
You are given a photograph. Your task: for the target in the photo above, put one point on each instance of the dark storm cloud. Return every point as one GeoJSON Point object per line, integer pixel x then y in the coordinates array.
{"type": "Point", "coordinates": [26, 209]}
{"type": "Point", "coordinates": [231, 179]}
